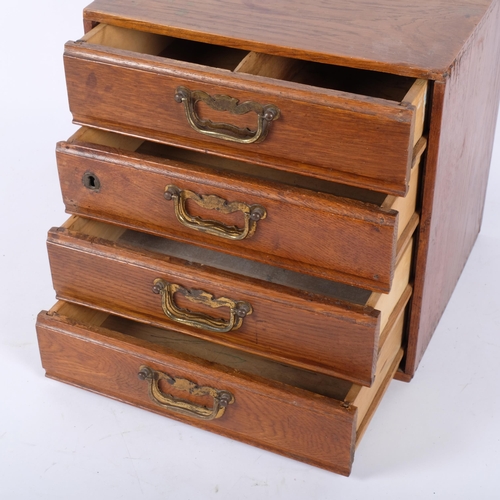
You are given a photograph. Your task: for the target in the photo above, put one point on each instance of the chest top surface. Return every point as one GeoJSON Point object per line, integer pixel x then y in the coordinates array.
{"type": "Point", "coordinates": [421, 39]}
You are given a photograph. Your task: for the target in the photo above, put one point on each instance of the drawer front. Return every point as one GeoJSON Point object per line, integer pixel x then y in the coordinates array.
{"type": "Point", "coordinates": [318, 428]}
{"type": "Point", "coordinates": [305, 329]}
{"type": "Point", "coordinates": [261, 414]}
{"type": "Point", "coordinates": [319, 132]}
{"type": "Point", "coordinates": [323, 235]}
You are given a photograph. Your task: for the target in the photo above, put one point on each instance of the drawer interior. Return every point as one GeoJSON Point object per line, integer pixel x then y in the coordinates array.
{"type": "Point", "coordinates": [309, 286]}
{"type": "Point", "coordinates": [216, 56]}
{"type": "Point", "coordinates": [166, 153]}
{"type": "Point", "coordinates": [328, 76]}
{"type": "Point", "coordinates": [176, 344]}
{"type": "Point", "coordinates": [323, 76]}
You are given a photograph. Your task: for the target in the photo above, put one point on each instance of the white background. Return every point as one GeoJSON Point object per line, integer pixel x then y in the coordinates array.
{"type": "Point", "coordinates": [435, 438]}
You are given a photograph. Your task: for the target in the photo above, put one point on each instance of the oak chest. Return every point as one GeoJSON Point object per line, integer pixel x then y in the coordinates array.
{"type": "Point", "coordinates": [270, 207]}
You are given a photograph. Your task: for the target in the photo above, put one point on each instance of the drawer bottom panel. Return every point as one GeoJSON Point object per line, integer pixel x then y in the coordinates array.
{"type": "Point", "coordinates": [304, 415]}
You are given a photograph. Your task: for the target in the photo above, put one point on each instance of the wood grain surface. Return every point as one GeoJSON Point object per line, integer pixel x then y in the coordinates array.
{"type": "Point", "coordinates": [420, 39]}
{"type": "Point", "coordinates": [280, 418]}
{"type": "Point", "coordinates": [301, 325]}
{"type": "Point", "coordinates": [462, 126]}
{"type": "Point", "coordinates": [336, 238]}
{"type": "Point", "coordinates": [334, 135]}
{"type": "Point", "coordinates": [305, 415]}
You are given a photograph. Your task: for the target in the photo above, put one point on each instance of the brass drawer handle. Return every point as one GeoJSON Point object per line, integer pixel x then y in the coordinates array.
{"type": "Point", "coordinates": [265, 115]}
{"type": "Point", "coordinates": [251, 213]}
{"type": "Point", "coordinates": [238, 309]}
{"type": "Point", "coordinates": [177, 405]}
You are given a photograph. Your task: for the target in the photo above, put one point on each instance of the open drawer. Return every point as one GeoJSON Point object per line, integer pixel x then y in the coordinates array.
{"type": "Point", "coordinates": [333, 231]}
{"type": "Point", "coordinates": [354, 126]}
{"type": "Point", "coordinates": [306, 416]}
{"type": "Point", "coordinates": [278, 314]}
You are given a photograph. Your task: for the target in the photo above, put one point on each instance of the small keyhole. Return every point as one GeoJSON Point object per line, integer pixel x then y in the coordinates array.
{"type": "Point", "coordinates": [91, 181]}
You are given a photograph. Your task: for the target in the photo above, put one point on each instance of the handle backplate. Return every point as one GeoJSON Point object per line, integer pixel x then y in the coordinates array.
{"type": "Point", "coordinates": [251, 213]}
{"type": "Point", "coordinates": [221, 398]}
{"type": "Point", "coordinates": [266, 114]}
{"type": "Point", "coordinates": [238, 310]}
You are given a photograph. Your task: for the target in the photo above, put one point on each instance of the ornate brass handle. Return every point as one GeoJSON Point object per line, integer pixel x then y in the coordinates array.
{"type": "Point", "coordinates": [238, 310]}
{"type": "Point", "coordinates": [251, 213]}
{"type": "Point", "coordinates": [265, 115]}
{"type": "Point", "coordinates": [177, 405]}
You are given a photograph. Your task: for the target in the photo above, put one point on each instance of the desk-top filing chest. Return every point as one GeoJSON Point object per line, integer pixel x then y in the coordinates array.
{"type": "Point", "coordinates": [271, 204]}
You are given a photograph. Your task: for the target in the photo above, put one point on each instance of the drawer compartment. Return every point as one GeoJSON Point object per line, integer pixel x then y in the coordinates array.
{"type": "Point", "coordinates": [354, 126]}
{"type": "Point", "coordinates": [293, 318]}
{"type": "Point", "coordinates": [329, 230]}
{"type": "Point", "coordinates": [306, 416]}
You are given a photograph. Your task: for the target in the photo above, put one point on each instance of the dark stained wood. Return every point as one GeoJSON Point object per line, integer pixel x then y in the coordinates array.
{"type": "Point", "coordinates": [333, 135]}
{"type": "Point", "coordinates": [330, 334]}
{"type": "Point", "coordinates": [344, 240]}
{"type": "Point", "coordinates": [463, 118]}
{"type": "Point", "coordinates": [419, 39]}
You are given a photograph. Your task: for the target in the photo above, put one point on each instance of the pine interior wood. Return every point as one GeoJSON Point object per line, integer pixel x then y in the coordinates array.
{"type": "Point", "coordinates": [120, 38]}
{"type": "Point", "coordinates": [91, 228]}
{"type": "Point", "coordinates": [282, 68]}
{"type": "Point", "coordinates": [358, 34]}
{"type": "Point", "coordinates": [405, 206]}
{"type": "Point", "coordinates": [378, 85]}
{"type": "Point", "coordinates": [385, 302]}
{"type": "Point", "coordinates": [79, 314]}
{"type": "Point", "coordinates": [361, 396]}
{"type": "Point", "coordinates": [417, 97]}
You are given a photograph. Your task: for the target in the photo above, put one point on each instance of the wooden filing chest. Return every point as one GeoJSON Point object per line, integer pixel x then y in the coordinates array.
{"type": "Point", "coordinates": [271, 204]}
